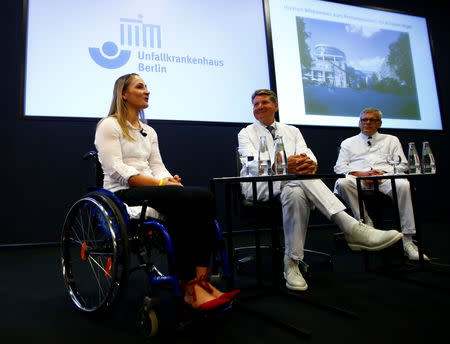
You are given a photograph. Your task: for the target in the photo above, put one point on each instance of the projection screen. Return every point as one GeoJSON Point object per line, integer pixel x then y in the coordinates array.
{"type": "Point", "coordinates": [200, 59]}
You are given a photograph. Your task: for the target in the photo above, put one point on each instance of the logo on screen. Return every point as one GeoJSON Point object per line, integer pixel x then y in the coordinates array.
{"type": "Point", "coordinates": [110, 57]}
{"type": "Point", "coordinates": [133, 33]}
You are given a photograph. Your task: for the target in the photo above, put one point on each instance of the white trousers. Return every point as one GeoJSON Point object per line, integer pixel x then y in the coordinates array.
{"type": "Point", "coordinates": [297, 199]}
{"type": "Point", "coordinates": [346, 188]}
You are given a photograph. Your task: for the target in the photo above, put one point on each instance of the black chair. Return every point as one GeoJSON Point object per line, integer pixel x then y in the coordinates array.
{"type": "Point", "coordinates": [376, 204]}
{"type": "Point", "coordinates": [259, 216]}
{"type": "Point", "coordinates": [384, 214]}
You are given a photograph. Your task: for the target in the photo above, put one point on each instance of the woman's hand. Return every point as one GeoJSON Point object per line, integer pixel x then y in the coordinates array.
{"type": "Point", "coordinates": [143, 180]}
{"type": "Point", "coordinates": [175, 180]}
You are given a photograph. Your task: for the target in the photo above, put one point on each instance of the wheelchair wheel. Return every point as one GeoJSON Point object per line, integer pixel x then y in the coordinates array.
{"type": "Point", "coordinates": [148, 321]}
{"type": "Point", "coordinates": [95, 253]}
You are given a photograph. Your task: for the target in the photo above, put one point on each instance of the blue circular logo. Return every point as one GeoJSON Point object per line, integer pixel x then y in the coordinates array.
{"type": "Point", "coordinates": [110, 48]}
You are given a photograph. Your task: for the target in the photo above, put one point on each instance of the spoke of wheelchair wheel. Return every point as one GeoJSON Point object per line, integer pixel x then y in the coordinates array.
{"type": "Point", "coordinates": [76, 236]}
{"type": "Point", "coordinates": [100, 293]}
{"type": "Point", "coordinates": [77, 225]}
{"type": "Point", "coordinates": [97, 277]}
{"type": "Point", "coordinates": [89, 230]}
{"type": "Point", "coordinates": [85, 227]}
{"type": "Point", "coordinates": [91, 259]}
{"type": "Point", "coordinates": [76, 232]}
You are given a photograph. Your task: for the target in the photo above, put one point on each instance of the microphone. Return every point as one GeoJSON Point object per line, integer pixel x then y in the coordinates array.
{"type": "Point", "coordinates": [143, 133]}
{"type": "Point", "coordinates": [369, 143]}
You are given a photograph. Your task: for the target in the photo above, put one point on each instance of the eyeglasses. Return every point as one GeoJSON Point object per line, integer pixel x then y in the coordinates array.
{"type": "Point", "coordinates": [365, 120]}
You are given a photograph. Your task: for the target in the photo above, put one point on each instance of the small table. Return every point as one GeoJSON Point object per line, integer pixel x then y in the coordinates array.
{"type": "Point", "coordinates": [392, 177]}
{"type": "Point", "coordinates": [275, 237]}
{"type": "Point", "coordinates": [229, 181]}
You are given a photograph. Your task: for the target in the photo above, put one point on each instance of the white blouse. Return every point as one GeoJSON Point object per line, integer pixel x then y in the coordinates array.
{"type": "Point", "coordinates": [122, 159]}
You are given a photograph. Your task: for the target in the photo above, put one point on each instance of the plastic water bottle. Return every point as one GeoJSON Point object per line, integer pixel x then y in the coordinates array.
{"type": "Point", "coordinates": [252, 169]}
{"type": "Point", "coordinates": [263, 157]}
{"type": "Point", "coordinates": [281, 166]}
{"type": "Point", "coordinates": [413, 159]}
{"type": "Point", "coordinates": [428, 163]}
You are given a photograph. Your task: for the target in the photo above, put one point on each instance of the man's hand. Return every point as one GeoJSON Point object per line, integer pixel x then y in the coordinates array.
{"type": "Point", "coordinates": [365, 174]}
{"type": "Point", "coordinates": [301, 164]}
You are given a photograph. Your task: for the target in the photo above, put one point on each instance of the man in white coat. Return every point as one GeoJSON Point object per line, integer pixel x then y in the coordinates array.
{"type": "Point", "coordinates": [365, 155]}
{"type": "Point", "coordinates": [299, 196]}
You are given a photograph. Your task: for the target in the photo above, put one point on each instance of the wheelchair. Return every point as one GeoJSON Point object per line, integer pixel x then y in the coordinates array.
{"type": "Point", "coordinates": [98, 239]}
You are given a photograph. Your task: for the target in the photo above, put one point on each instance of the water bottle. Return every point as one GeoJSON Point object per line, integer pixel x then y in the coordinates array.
{"type": "Point", "coordinates": [281, 166]}
{"type": "Point", "coordinates": [252, 169]}
{"type": "Point", "coordinates": [413, 159]}
{"type": "Point", "coordinates": [263, 157]}
{"type": "Point", "coordinates": [428, 163]}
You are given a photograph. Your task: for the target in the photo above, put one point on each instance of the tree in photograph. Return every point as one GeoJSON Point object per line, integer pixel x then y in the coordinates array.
{"type": "Point", "coordinates": [305, 55]}
{"type": "Point", "coordinates": [400, 60]}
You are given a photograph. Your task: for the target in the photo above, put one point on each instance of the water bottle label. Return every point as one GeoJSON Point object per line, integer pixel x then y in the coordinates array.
{"type": "Point", "coordinates": [432, 163]}
{"type": "Point", "coordinates": [281, 169]}
{"type": "Point", "coordinates": [426, 164]}
{"type": "Point", "coordinates": [264, 167]}
{"type": "Point", "coordinates": [414, 164]}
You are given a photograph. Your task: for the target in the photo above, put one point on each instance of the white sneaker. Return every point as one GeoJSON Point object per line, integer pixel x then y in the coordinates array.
{"type": "Point", "coordinates": [412, 252]}
{"type": "Point", "coordinates": [364, 237]}
{"type": "Point", "coordinates": [293, 276]}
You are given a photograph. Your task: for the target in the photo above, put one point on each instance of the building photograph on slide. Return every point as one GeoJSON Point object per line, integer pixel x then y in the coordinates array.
{"type": "Point", "coordinates": [359, 63]}
{"type": "Point", "coordinates": [332, 60]}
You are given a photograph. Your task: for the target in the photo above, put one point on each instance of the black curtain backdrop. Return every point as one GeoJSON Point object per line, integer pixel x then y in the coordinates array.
{"type": "Point", "coordinates": [44, 172]}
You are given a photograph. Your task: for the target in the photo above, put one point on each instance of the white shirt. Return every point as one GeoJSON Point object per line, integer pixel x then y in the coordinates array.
{"type": "Point", "coordinates": [249, 145]}
{"type": "Point", "coordinates": [122, 159]}
{"type": "Point", "coordinates": [357, 155]}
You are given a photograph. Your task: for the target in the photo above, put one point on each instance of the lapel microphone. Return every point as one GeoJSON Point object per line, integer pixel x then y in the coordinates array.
{"type": "Point", "coordinates": [369, 143]}
{"type": "Point", "coordinates": [143, 133]}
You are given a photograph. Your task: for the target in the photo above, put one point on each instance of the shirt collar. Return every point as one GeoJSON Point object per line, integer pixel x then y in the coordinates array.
{"type": "Point", "coordinates": [131, 126]}
{"type": "Point", "coordinates": [274, 124]}
{"type": "Point", "coordinates": [365, 137]}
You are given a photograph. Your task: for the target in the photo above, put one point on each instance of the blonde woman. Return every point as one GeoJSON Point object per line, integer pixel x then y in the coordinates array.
{"type": "Point", "coordinates": [133, 169]}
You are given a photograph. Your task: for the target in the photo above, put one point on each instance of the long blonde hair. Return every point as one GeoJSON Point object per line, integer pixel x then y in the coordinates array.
{"type": "Point", "coordinates": [118, 107]}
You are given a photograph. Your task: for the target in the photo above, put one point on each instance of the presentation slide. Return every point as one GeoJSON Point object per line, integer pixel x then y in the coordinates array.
{"type": "Point", "coordinates": [333, 60]}
{"type": "Point", "coordinates": [201, 60]}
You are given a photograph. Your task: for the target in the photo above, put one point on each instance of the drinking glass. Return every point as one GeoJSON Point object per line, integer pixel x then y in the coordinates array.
{"type": "Point", "coordinates": [246, 159]}
{"type": "Point", "coordinates": [394, 160]}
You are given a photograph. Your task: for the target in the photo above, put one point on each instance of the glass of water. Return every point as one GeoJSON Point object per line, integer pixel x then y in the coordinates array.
{"type": "Point", "coordinates": [394, 160]}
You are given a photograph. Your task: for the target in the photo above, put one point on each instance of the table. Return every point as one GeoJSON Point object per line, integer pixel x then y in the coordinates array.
{"type": "Point", "coordinates": [275, 237]}
{"type": "Point", "coordinates": [229, 181]}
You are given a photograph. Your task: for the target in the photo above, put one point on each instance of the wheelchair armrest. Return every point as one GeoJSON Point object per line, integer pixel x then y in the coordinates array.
{"type": "Point", "coordinates": [143, 216]}
{"type": "Point", "coordinates": [90, 155]}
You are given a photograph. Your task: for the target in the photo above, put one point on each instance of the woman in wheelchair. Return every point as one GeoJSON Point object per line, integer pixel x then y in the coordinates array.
{"type": "Point", "coordinates": [133, 169]}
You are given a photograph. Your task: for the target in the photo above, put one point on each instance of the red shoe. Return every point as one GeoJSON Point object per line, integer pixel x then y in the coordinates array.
{"type": "Point", "coordinates": [213, 304]}
{"type": "Point", "coordinates": [230, 295]}
{"type": "Point", "coordinates": [206, 306]}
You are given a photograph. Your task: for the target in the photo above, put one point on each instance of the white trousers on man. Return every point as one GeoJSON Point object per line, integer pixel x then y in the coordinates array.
{"type": "Point", "coordinates": [346, 188]}
{"type": "Point", "coordinates": [297, 199]}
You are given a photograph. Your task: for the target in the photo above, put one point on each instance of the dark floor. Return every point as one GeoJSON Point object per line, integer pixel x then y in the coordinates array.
{"type": "Point", "coordinates": [346, 303]}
